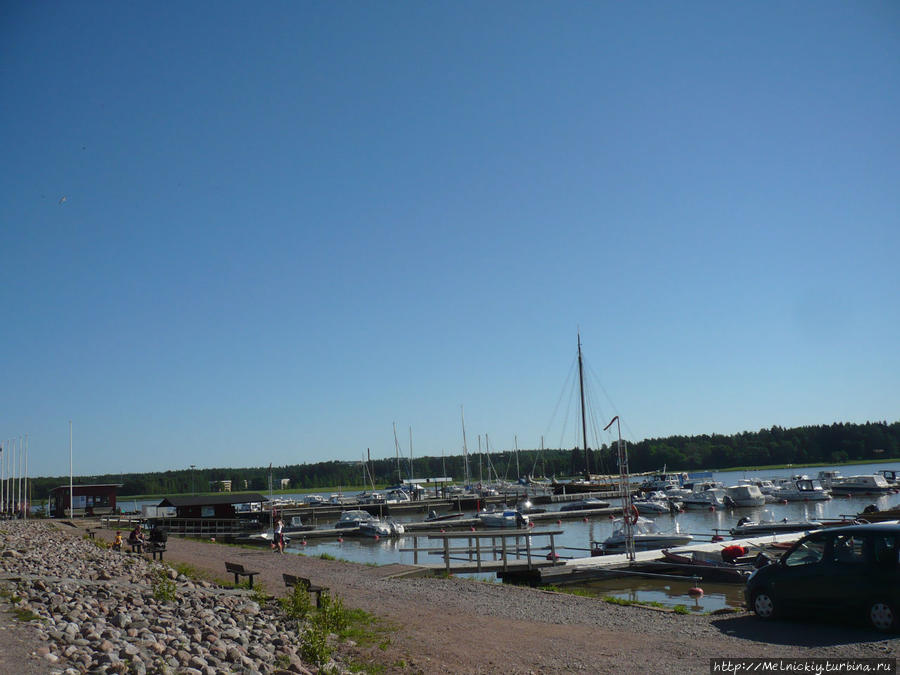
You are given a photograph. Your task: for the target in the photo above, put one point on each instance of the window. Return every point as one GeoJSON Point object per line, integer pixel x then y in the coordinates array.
{"type": "Point", "coordinates": [885, 551]}
{"type": "Point", "coordinates": [807, 553]}
{"type": "Point", "coordinates": [848, 549]}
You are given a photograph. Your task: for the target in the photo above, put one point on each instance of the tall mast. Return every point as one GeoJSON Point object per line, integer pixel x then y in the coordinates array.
{"type": "Point", "coordinates": [410, 455]}
{"type": "Point", "coordinates": [462, 416]}
{"type": "Point", "coordinates": [587, 467]}
{"type": "Point", "coordinates": [397, 449]}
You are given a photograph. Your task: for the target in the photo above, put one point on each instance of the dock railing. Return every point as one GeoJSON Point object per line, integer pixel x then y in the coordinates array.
{"type": "Point", "coordinates": [504, 546]}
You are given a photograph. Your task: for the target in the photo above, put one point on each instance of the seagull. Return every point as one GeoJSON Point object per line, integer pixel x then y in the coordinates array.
{"type": "Point", "coordinates": [63, 199]}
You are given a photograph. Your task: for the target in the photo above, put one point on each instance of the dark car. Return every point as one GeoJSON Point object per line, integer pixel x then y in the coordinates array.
{"type": "Point", "coordinates": [832, 572]}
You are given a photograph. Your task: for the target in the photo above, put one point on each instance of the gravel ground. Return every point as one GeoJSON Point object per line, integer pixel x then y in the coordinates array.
{"type": "Point", "coordinates": [463, 626]}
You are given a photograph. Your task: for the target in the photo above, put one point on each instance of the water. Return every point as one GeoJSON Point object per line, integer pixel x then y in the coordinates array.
{"type": "Point", "coordinates": [575, 542]}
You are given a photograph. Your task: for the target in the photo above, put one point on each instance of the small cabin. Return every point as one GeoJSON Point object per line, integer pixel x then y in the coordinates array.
{"type": "Point", "coordinates": [220, 507]}
{"type": "Point", "coordinates": [89, 500]}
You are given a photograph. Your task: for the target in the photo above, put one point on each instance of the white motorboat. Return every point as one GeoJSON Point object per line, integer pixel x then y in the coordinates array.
{"type": "Point", "coordinates": [745, 495]}
{"type": "Point", "coordinates": [713, 498]}
{"type": "Point", "coordinates": [377, 527]}
{"type": "Point", "coordinates": [655, 502]}
{"type": "Point", "coordinates": [803, 490]}
{"type": "Point", "coordinates": [892, 476]}
{"type": "Point", "coordinates": [353, 518]}
{"type": "Point", "coordinates": [646, 537]}
{"type": "Point", "coordinates": [769, 525]}
{"type": "Point", "coordinates": [503, 518]}
{"type": "Point", "coordinates": [863, 484]}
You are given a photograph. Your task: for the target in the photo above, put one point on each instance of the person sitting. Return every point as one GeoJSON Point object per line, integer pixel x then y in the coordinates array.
{"type": "Point", "coordinates": [136, 539]}
{"type": "Point", "coordinates": [117, 542]}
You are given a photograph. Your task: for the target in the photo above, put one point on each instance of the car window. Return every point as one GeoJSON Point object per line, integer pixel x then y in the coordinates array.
{"type": "Point", "coordinates": [848, 550]}
{"type": "Point", "coordinates": [885, 551]}
{"type": "Point", "coordinates": [807, 553]}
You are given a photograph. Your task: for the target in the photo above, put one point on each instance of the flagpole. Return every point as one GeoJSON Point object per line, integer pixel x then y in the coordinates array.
{"type": "Point", "coordinates": [25, 486]}
{"type": "Point", "coordinates": [71, 488]}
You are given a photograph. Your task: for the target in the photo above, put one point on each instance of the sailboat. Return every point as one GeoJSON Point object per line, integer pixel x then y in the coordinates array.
{"type": "Point", "coordinates": [586, 483]}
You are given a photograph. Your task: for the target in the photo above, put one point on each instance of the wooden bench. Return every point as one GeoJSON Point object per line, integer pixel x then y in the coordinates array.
{"type": "Point", "coordinates": [156, 548]}
{"type": "Point", "coordinates": [238, 571]}
{"type": "Point", "coordinates": [303, 582]}
{"type": "Point", "coordinates": [136, 545]}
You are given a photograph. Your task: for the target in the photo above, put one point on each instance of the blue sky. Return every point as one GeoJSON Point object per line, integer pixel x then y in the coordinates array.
{"type": "Point", "coordinates": [287, 226]}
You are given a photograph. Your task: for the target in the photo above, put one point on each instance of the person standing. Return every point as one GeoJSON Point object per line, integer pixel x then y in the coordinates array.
{"type": "Point", "coordinates": [279, 535]}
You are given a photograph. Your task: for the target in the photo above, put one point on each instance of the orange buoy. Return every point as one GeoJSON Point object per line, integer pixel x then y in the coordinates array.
{"type": "Point", "coordinates": [695, 592]}
{"type": "Point", "coordinates": [443, 530]}
{"type": "Point", "coordinates": [584, 520]}
{"type": "Point", "coordinates": [303, 543]}
{"type": "Point", "coordinates": [531, 524]}
{"type": "Point", "coordinates": [377, 537]}
{"type": "Point", "coordinates": [552, 556]}
{"type": "Point", "coordinates": [717, 537]}
{"type": "Point", "coordinates": [559, 522]}
{"type": "Point", "coordinates": [340, 540]}
{"type": "Point", "coordinates": [472, 529]}
{"type": "Point", "coordinates": [212, 539]}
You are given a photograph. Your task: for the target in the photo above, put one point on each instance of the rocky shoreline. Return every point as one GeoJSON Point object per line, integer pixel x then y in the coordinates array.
{"type": "Point", "coordinates": [100, 610]}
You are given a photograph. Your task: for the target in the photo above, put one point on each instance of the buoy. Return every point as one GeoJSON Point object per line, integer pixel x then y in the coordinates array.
{"type": "Point", "coordinates": [559, 522]}
{"type": "Point", "coordinates": [442, 530]}
{"type": "Point", "coordinates": [377, 537]}
{"type": "Point", "coordinates": [612, 517]}
{"type": "Point", "coordinates": [712, 508]}
{"type": "Point", "coordinates": [584, 520]}
{"type": "Point", "coordinates": [552, 556]}
{"type": "Point", "coordinates": [784, 501]}
{"type": "Point", "coordinates": [695, 592]}
{"type": "Point", "coordinates": [717, 537]}
{"type": "Point", "coordinates": [303, 543]}
{"type": "Point", "coordinates": [531, 524]}
{"type": "Point", "coordinates": [212, 539]}
{"type": "Point", "coordinates": [340, 540]}
{"type": "Point", "coordinates": [472, 529]}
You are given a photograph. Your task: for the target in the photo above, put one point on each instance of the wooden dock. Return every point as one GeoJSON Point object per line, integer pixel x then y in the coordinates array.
{"type": "Point", "coordinates": [607, 566]}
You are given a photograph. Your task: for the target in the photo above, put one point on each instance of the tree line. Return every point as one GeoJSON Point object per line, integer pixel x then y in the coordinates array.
{"type": "Point", "coordinates": [831, 444]}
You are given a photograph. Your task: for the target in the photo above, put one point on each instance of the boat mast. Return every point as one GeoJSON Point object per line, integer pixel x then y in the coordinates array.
{"type": "Point", "coordinates": [629, 513]}
{"type": "Point", "coordinates": [397, 449]}
{"type": "Point", "coordinates": [462, 416]}
{"type": "Point", "coordinates": [410, 455]}
{"type": "Point", "coordinates": [587, 467]}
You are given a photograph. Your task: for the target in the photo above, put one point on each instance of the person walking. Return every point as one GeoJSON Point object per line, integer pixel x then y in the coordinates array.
{"type": "Point", "coordinates": [279, 535]}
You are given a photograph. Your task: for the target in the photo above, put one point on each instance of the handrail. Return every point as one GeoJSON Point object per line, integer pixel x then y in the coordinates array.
{"type": "Point", "coordinates": [503, 550]}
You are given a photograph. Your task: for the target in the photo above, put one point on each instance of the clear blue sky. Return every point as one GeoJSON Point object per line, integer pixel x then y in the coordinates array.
{"type": "Point", "coordinates": [235, 235]}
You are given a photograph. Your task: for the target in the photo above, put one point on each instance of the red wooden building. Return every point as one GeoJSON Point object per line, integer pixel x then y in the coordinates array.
{"type": "Point", "coordinates": [90, 500]}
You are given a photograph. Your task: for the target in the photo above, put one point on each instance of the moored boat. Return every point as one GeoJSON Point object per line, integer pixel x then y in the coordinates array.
{"type": "Point", "coordinates": [646, 538]}
{"type": "Point", "coordinates": [503, 518]}
{"type": "Point", "coordinates": [746, 527]}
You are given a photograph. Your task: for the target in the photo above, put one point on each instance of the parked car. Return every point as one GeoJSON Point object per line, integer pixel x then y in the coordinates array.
{"type": "Point", "coordinates": [852, 569]}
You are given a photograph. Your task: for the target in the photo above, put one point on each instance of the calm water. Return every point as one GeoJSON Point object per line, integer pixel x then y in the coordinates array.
{"type": "Point", "coordinates": [577, 537]}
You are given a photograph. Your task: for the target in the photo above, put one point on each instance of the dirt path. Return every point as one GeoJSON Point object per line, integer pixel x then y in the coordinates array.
{"type": "Point", "coordinates": [463, 626]}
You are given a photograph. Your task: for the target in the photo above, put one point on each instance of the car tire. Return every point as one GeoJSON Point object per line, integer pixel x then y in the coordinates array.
{"type": "Point", "coordinates": [764, 606]}
{"type": "Point", "coordinates": [881, 615]}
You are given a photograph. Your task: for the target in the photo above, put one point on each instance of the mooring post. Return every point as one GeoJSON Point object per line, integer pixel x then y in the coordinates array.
{"type": "Point", "coordinates": [415, 550]}
{"type": "Point", "coordinates": [528, 549]}
{"type": "Point", "coordinates": [504, 553]}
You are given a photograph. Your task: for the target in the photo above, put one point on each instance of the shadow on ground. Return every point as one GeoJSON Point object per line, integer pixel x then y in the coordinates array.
{"type": "Point", "coordinates": [802, 632]}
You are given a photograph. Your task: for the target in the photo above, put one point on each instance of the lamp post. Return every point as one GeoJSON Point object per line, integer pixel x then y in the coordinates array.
{"type": "Point", "coordinates": [193, 491]}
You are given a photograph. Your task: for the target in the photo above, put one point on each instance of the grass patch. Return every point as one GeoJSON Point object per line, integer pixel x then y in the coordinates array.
{"type": "Point", "coordinates": [163, 587]}
{"type": "Point", "coordinates": [581, 592]}
{"type": "Point", "coordinates": [681, 609]}
{"type": "Point", "coordinates": [24, 614]}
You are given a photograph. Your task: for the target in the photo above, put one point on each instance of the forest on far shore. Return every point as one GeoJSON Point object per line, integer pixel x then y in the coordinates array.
{"type": "Point", "coordinates": [829, 444]}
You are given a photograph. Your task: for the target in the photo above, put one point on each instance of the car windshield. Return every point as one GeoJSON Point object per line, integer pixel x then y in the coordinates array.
{"type": "Point", "coordinates": [807, 553]}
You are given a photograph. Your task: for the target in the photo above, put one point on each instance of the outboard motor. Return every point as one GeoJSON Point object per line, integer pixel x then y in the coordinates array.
{"type": "Point", "coordinates": [871, 508]}
{"type": "Point", "coordinates": [743, 521]}
{"type": "Point", "coordinates": [729, 502]}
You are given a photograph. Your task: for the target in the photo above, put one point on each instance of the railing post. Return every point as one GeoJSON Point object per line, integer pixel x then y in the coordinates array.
{"type": "Point", "coordinates": [415, 549]}
{"type": "Point", "coordinates": [477, 553]}
{"type": "Point", "coordinates": [528, 549]}
{"type": "Point", "coordinates": [504, 553]}
{"type": "Point", "coordinates": [552, 548]}
{"type": "Point", "coordinates": [447, 553]}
